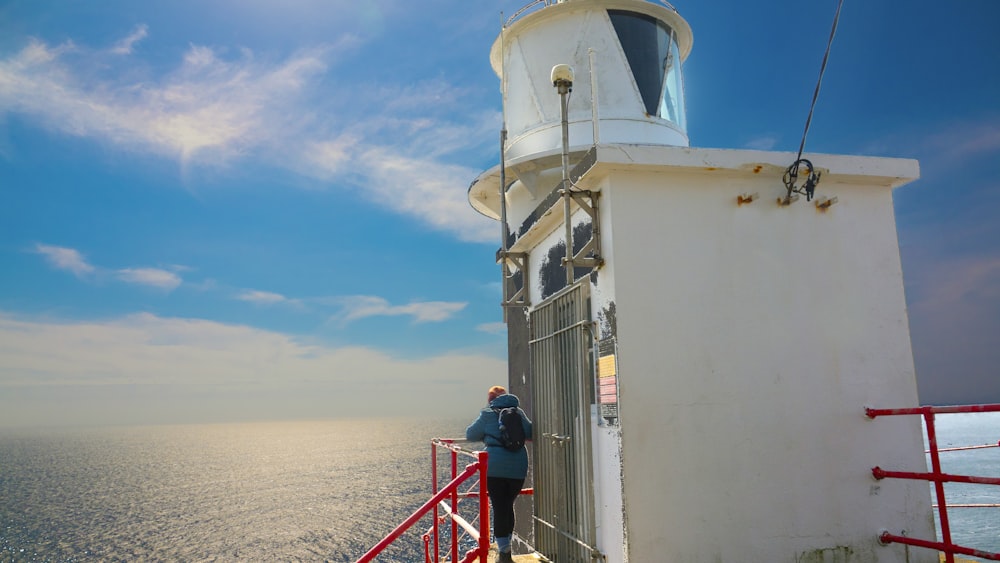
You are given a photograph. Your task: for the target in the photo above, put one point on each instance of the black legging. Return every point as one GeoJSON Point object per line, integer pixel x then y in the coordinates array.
{"type": "Point", "coordinates": [503, 492]}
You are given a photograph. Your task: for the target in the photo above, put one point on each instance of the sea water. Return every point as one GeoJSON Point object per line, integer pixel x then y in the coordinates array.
{"type": "Point", "coordinates": [288, 491]}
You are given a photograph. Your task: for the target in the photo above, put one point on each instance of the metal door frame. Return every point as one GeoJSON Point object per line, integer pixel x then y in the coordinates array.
{"type": "Point", "coordinates": [561, 350]}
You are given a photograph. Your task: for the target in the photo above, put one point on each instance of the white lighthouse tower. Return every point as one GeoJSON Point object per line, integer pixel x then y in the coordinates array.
{"type": "Point", "coordinates": [695, 345]}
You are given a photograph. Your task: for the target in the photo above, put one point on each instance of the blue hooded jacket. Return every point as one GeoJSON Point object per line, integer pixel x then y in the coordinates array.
{"type": "Point", "coordinates": [486, 428]}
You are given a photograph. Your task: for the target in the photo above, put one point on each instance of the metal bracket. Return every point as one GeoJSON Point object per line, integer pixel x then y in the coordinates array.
{"type": "Point", "coordinates": [518, 261]}
{"type": "Point", "coordinates": [587, 201]}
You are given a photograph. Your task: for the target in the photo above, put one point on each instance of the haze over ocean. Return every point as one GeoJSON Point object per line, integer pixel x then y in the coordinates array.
{"type": "Point", "coordinates": [285, 491]}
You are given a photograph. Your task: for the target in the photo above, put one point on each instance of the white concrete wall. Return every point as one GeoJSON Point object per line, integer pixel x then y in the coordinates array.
{"type": "Point", "coordinates": [750, 340]}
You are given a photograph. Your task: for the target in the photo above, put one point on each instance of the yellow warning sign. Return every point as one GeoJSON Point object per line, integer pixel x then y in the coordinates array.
{"type": "Point", "coordinates": [606, 366]}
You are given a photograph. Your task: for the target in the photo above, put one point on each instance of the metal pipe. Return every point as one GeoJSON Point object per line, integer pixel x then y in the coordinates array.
{"type": "Point", "coordinates": [434, 489]}
{"type": "Point", "coordinates": [484, 508]}
{"type": "Point", "coordinates": [593, 98]}
{"type": "Point", "coordinates": [454, 506]}
{"type": "Point", "coordinates": [873, 413]}
{"type": "Point", "coordinates": [567, 196]}
{"type": "Point", "coordinates": [469, 528]}
{"type": "Point", "coordinates": [963, 448]}
{"type": "Point", "coordinates": [450, 444]}
{"type": "Point", "coordinates": [950, 550]}
{"type": "Point", "coordinates": [880, 474]}
{"type": "Point", "coordinates": [504, 229]}
{"type": "Point", "coordinates": [938, 485]}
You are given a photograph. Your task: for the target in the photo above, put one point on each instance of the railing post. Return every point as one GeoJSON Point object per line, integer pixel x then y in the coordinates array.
{"type": "Point", "coordinates": [484, 509]}
{"type": "Point", "coordinates": [454, 507]}
{"type": "Point", "coordinates": [434, 490]}
{"type": "Point", "coordinates": [939, 484]}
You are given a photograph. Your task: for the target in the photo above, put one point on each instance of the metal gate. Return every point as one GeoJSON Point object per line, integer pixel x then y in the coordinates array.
{"type": "Point", "coordinates": [562, 387]}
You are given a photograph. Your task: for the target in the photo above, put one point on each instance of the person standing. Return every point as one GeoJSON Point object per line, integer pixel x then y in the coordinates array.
{"type": "Point", "coordinates": [506, 470]}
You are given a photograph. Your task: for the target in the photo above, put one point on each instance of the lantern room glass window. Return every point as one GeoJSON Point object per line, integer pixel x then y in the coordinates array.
{"type": "Point", "coordinates": [651, 49]}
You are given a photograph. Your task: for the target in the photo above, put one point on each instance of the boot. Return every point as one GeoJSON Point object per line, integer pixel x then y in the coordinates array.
{"type": "Point", "coordinates": [505, 557]}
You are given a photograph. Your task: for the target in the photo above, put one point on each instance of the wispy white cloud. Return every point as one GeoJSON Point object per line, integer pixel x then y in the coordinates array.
{"type": "Point", "coordinates": [266, 298]}
{"type": "Point", "coordinates": [209, 104]}
{"type": "Point", "coordinates": [67, 259]}
{"type": "Point", "coordinates": [152, 277]}
{"type": "Point", "coordinates": [962, 142]}
{"type": "Point", "coordinates": [125, 46]}
{"type": "Point", "coordinates": [947, 146]}
{"type": "Point", "coordinates": [393, 142]}
{"type": "Point", "coordinates": [72, 260]}
{"type": "Point", "coordinates": [762, 143]}
{"type": "Point", "coordinates": [492, 328]}
{"type": "Point", "coordinates": [363, 306]}
{"type": "Point", "coordinates": [427, 190]}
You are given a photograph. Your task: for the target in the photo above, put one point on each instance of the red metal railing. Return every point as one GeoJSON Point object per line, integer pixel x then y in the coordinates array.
{"type": "Point", "coordinates": [451, 490]}
{"type": "Point", "coordinates": [446, 500]}
{"type": "Point", "coordinates": [937, 477]}
{"type": "Point", "coordinates": [480, 535]}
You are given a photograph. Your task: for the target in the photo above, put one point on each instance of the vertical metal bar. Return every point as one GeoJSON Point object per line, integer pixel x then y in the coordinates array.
{"type": "Point", "coordinates": [484, 509]}
{"type": "Point", "coordinates": [593, 97]}
{"type": "Point", "coordinates": [567, 196]}
{"type": "Point", "coordinates": [504, 229]}
{"type": "Point", "coordinates": [454, 507]}
{"type": "Point", "coordinates": [434, 490]}
{"type": "Point", "coordinates": [939, 485]}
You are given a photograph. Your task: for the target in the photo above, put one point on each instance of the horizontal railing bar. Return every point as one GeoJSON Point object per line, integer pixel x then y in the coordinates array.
{"type": "Point", "coordinates": [474, 494]}
{"type": "Point", "coordinates": [880, 473]}
{"type": "Point", "coordinates": [886, 538]}
{"type": "Point", "coordinates": [560, 331]}
{"type": "Point", "coordinates": [959, 449]}
{"type": "Point", "coordinates": [461, 521]}
{"type": "Point", "coordinates": [451, 445]}
{"type": "Point", "coordinates": [872, 413]}
{"type": "Point", "coordinates": [470, 470]}
{"type": "Point", "coordinates": [970, 506]}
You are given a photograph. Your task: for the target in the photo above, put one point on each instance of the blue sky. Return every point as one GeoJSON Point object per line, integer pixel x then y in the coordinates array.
{"type": "Point", "coordinates": [236, 210]}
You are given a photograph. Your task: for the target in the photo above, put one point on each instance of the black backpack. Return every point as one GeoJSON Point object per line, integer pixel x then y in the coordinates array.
{"type": "Point", "coordinates": [511, 429]}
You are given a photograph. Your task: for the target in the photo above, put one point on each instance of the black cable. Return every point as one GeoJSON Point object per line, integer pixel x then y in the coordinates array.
{"type": "Point", "coordinates": [792, 173]}
{"type": "Point", "coordinates": [819, 82]}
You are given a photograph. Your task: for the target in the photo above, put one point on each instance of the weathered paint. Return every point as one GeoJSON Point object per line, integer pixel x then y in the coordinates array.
{"type": "Point", "coordinates": [839, 554]}
{"type": "Point", "coordinates": [607, 321]}
{"type": "Point", "coordinates": [551, 275]}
